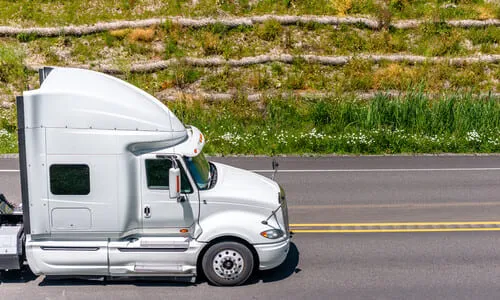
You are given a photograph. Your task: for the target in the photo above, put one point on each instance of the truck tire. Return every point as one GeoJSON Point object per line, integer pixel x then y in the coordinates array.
{"type": "Point", "coordinates": [228, 264]}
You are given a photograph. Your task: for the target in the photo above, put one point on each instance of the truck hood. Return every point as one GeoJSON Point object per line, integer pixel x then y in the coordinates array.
{"type": "Point", "coordinates": [242, 187]}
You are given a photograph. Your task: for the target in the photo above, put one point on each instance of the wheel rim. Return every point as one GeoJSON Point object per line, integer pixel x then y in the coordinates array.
{"type": "Point", "coordinates": [228, 264]}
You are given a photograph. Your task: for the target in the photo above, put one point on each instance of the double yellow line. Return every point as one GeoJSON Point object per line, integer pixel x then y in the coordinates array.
{"type": "Point", "coordinates": [395, 227]}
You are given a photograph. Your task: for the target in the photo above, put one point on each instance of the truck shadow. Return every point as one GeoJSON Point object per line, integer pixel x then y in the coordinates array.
{"type": "Point", "coordinates": [285, 270]}
{"type": "Point", "coordinates": [18, 276]}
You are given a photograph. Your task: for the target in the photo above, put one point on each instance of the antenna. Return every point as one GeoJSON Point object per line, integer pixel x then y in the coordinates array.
{"type": "Point", "coordinates": [275, 165]}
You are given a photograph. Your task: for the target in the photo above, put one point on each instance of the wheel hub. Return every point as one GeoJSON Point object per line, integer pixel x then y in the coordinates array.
{"type": "Point", "coordinates": [228, 264]}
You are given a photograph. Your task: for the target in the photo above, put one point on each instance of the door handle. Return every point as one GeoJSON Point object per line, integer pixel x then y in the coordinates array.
{"type": "Point", "coordinates": [147, 211]}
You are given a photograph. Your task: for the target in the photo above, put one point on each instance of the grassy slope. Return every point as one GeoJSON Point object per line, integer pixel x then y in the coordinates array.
{"type": "Point", "coordinates": [304, 125]}
{"type": "Point", "coordinates": [49, 12]}
{"type": "Point", "coordinates": [121, 48]}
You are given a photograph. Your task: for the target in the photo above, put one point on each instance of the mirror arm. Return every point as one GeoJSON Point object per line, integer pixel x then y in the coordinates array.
{"type": "Point", "coordinates": [275, 166]}
{"type": "Point", "coordinates": [174, 162]}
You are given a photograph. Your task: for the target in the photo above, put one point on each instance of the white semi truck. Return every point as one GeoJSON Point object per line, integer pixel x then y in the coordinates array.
{"type": "Point", "coordinates": [114, 185]}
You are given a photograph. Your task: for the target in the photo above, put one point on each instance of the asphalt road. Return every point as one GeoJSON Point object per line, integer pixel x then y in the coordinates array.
{"type": "Point", "coordinates": [362, 265]}
{"type": "Point", "coordinates": [387, 189]}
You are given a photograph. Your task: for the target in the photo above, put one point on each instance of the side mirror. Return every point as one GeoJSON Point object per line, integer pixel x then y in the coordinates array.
{"type": "Point", "coordinates": [174, 183]}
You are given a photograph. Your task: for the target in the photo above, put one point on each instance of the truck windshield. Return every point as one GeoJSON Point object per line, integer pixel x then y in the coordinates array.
{"type": "Point", "coordinates": [200, 170]}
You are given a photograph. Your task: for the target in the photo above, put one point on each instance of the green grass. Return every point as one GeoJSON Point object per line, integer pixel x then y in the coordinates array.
{"type": "Point", "coordinates": [8, 142]}
{"type": "Point", "coordinates": [8, 134]}
{"type": "Point", "coordinates": [412, 124]}
{"type": "Point", "coordinates": [11, 67]}
{"type": "Point", "coordinates": [409, 124]}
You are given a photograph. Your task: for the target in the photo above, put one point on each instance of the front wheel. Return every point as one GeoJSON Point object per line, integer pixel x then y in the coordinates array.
{"type": "Point", "coordinates": [228, 264]}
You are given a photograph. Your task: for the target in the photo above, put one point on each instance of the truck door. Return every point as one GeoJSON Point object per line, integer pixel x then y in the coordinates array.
{"type": "Point", "coordinates": [169, 225]}
{"type": "Point", "coordinates": [159, 211]}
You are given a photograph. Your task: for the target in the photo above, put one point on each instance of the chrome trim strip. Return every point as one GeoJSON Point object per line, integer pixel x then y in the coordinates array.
{"type": "Point", "coordinates": [59, 248]}
{"type": "Point", "coordinates": [152, 249]}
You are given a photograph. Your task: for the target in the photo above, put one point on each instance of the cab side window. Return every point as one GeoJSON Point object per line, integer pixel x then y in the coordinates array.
{"type": "Point", "coordinates": [157, 175]}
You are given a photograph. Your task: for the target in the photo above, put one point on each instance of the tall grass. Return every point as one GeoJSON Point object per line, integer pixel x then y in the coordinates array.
{"type": "Point", "coordinates": [414, 113]}
{"type": "Point", "coordinates": [410, 124]}
{"type": "Point", "coordinates": [413, 123]}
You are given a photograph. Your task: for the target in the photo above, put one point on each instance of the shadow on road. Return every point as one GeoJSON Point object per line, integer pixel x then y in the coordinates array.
{"type": "Point", "coordinates": [17, 276]}
{"type": "Point", "coordinates": [65, 281]}
{"type": "Point", "coordinates": [285, 270]}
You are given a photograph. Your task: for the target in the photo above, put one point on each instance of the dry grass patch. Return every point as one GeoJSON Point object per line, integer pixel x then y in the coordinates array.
{"type": "Point", "coordinates": [210, 44]}
{"type": "Point", "coordinates": [259, 80]}
{"type": "Point", "coordinates": [486, 12]}
{"type": "Point", "coordinates": [394, 76]}
{"type": "Point", "coordinates": [141, 34]}
{"type": "Point", "coordinates": [120, 33]}
{"type": "Point", "coordinates": [342, 6]}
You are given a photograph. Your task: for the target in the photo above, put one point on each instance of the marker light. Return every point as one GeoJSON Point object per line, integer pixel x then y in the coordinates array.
{"type": "Point", "coordinates": [201, 138]}
{"type": "Point", "coordinates": [272, 234]}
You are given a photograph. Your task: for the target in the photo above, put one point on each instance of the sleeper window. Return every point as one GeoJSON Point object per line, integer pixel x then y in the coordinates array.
{"type": "Point", "coordinates": [69, 179]}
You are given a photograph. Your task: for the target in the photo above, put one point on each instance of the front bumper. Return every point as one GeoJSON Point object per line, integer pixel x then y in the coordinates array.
{"type": "Point", "coordinates": [272, 255]}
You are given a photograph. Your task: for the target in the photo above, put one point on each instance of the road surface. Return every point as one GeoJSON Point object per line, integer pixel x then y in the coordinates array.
{"type": "Point", "coordinates": [397, 227]}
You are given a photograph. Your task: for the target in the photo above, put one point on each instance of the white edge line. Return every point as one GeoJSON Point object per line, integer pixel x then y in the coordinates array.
{"type": "Point", "coordinates": [348, 170]}
{"type": "Point", "coordinates": [376, 170]}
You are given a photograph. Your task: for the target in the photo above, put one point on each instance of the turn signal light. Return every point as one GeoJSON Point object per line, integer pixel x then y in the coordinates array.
{"type": "Point", "coordinates": [183, 230]}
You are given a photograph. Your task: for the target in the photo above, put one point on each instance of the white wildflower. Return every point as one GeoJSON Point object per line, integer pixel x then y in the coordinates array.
{"type": "Point", "coordinates": [473, 136]}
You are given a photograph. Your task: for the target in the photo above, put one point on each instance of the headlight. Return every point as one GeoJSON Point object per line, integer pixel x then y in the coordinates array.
{"type": "Point", "coordinates": [272, 234]}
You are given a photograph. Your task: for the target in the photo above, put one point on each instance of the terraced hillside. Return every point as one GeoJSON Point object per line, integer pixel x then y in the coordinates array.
{"type": "Point", "coordinates": [332, 76]}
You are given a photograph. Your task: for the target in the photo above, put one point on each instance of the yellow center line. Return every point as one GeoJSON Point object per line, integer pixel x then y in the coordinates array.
{"type": "Point", "coordinates": [392, 224]}
{"type": "Point", "coordinates": [392, 230]}
{"type": "Point", "coordinates": [393, 205]}
{"type": "Point", "coordinates": [396, 227]}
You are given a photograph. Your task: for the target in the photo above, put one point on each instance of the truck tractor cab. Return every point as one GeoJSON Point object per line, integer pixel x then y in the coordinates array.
{"type": "Point", "coordinates": [113, 184]}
